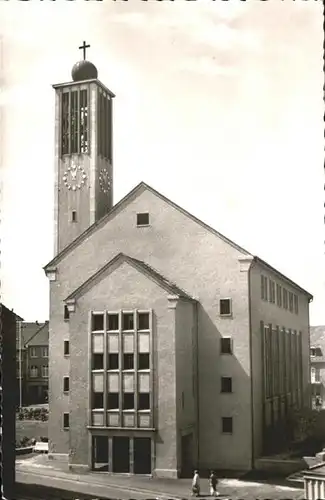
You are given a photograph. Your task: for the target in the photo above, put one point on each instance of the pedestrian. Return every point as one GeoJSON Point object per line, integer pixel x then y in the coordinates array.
{"type": "Point", "coordinates": [213, 481]}
{"type": "Point", "coordinates": [196, 484]}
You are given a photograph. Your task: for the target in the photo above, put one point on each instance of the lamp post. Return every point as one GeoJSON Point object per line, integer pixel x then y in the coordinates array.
{"type": "Point", "coordinates": [20, 366]}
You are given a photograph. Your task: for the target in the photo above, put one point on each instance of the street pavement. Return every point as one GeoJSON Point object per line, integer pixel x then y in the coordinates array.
{"type": "Point", "coordinates": [40, 470]}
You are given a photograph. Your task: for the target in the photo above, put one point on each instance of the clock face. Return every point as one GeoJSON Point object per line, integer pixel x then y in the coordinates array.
{"type": "Point", "coordinates": [74, 177]}
{"type": "Point", "coordinates": [104, 180]}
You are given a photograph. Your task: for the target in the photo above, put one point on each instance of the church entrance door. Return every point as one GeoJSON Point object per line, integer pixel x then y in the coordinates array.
{"type": "Point", "coordinates": [142, 455]}
{"type": "Point", "coordinates": [100, 453]}
{"type": "Point", "coordinates": [121, 454]}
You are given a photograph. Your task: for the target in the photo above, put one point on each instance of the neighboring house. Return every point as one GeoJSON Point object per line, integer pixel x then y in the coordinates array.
{"type": "Point", "coordinates": [32, 344]}
{"type": "Point", "coordinates": [8, 321]}
{"type": "Point", "coordinates": [317, 366]}
{"type": "Point", "coordinates": [172, 347]}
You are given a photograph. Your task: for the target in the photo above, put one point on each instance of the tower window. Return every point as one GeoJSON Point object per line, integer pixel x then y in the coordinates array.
{"type": "Point", "coordinates": [74, 216]}
{"type": "Point", "coordinates": [65, 384]}
{"type": "Point", "coordinates": [66, 423]}
{"type": "Point", "coordinates": [105, 125]}
{"type": "Point", "coordinates": [66, 348]}
{"type": "Point", "coordinates": [74, 125]}
{"type": "Point", "coordinates": [143, 219]}
{"type": "Point", "coordinates": [66, 313]}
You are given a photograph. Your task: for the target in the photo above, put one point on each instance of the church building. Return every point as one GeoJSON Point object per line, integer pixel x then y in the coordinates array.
{"type": "Point", "coordinates": [170, 346]}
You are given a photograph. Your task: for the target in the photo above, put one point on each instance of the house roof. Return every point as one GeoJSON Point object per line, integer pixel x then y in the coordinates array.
{"type": "Point", "coordinates": [40, 337]}
{"type": "Point", "coordinates": [142, 267]}
{"type": "Point", "coordinates": [127, 199]}
{"type": "Point", "coordinates": [29, 331]}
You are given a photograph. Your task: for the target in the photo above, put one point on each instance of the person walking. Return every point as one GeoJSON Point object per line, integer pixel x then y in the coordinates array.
{"type": "Point", "coordinates": [196, 484]}
{"type": "Point", "coordinates": [213, 481]}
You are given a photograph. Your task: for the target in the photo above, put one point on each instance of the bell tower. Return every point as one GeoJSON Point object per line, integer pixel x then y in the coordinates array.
{"type": "Point", "coordinates": [83, 152]}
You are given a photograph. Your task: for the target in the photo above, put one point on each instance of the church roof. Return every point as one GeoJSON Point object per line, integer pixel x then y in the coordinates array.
{"type": "Point", "coordinates": [127, 199]}
{"type": "Point", "coordinates": [140, 266]}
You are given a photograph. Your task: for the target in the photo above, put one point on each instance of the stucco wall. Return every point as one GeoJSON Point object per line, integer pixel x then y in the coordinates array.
{"type": "Point", "coordinates": [267, 312]}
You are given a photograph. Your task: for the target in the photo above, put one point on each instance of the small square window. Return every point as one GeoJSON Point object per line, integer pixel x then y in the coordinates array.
{"type": "Point", "coordinates": [143, 361]}
{"type": "Point", "coordinates": [113, 322]}
{"type": "Point", "coordinates": [98, 322]}
{"type": "Point", "coordinates": [227, 425]}
{"type": "Point", "coordinates": [226, 384]}
{"type": "Point", "coordinates": [143, 321]}
{"type": "Point", "coordinates": [113, 361]}
{"type": "Point", "coordinates": [128, 361]}
{"type": "Point", "coordinates": [97, 361]}
{"type": "Point", "coordinates": [225, 345]}
{"type": "Point", "coordinates": [74, 216]}
{"type": "Point", "coordinates": [144, 401]}
{"type": "Point", "coordinates": [128, 321]}
{"type": "Point", "coordinates": [143, 219]}
{"type": "Point", "coordinates": [112, 400]}
{"type": "Point", "coordinates": [66, 423]}
{"type": "Point", "coordinates": [225, 307]}
{"type": "Point", "coordinates": [66, 348]}
{"type": "Point", "coordinates": [128, 401]}
{"type": "Point", "coordinates": [66, 313]}
{"type": "Point", "coordinates": [97, 400]}
{"type": "Point", "coordinates": [65, 384]}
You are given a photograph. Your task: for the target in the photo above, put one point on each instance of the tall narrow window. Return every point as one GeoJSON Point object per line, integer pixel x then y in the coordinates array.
{"type": "Point", "coordinates": [65, 384]}
{"type": "Point", "coordinates": [83, 122]}
{"type": "Point", "coordinates": [66, 313]}
{"type": "Point", "coordinates": [74, 122]}
{"type": "Point", "coordinates": [66, 348]}
{"type": "Point", "coordinates": [66, 422]}
{"type": "Point", "coordinates": [65, 123]}
{"type": "Point", "coordinates": [74, 216]}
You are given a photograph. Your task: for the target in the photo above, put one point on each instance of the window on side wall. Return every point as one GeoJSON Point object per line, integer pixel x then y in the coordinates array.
{"type": "Point", "coordinates": [225, 307]}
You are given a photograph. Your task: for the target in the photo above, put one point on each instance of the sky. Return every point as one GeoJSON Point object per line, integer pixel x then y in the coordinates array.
{"type": "Point", "coordinates": [219, 106]}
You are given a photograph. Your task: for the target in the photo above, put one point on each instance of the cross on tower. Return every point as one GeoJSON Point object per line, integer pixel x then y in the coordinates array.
{"type": "Point", "coordinates": [84, 47]}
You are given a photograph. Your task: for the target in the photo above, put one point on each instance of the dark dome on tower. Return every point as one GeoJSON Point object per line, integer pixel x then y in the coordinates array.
{"type": "Point", "coordinates": [84, 70]}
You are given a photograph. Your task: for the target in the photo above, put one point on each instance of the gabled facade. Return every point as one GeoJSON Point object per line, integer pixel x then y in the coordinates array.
{"type": "Point", "coordinates": [165, 352]}
{"type": "Point", "coordinates": [32, 352]}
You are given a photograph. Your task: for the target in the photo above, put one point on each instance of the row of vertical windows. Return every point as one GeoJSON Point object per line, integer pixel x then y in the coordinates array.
{"type": "Point", "coordinates": [113, 400]}
{"type": "Point", "coordinates": [275, 293]}
{"type": "Point", "coordinates": [282, 361]}
{"type": "Point", "coordinates": [128, 321]}
{"type": "Point", "coordinates": [127, 361]}
{"type": "Point", "coordinates": [105, 126]}
{"type": "Point", "coordinates": [75, 124]}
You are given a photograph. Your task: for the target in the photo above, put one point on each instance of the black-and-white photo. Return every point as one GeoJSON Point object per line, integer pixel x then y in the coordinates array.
{"type": "Point", "coordinates": [162, 249]}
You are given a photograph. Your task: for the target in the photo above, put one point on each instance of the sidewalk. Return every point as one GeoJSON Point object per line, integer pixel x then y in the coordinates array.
{"type": "Point", "coordinates": [53, 473]}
